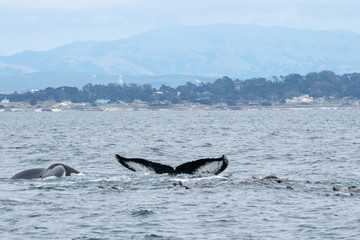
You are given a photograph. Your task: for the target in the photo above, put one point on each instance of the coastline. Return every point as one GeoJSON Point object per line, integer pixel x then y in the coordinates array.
{"type": "Point", "coordinates": [50, 106]}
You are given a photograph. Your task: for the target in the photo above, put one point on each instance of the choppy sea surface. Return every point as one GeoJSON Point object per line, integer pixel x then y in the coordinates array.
{"type": "Point", "coordinates": [312, 151]}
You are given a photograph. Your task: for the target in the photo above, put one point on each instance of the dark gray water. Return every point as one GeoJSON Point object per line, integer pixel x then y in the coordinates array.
{"type": "Point", "coordinates": [321, 146]}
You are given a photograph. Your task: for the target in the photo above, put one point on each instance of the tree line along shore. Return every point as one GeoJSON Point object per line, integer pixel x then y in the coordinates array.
{"type": "Point", "coordinates": [324, 88]}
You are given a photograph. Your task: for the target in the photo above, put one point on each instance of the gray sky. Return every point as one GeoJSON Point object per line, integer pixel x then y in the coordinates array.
{"type": "Point", "coordinates": [45, 24]}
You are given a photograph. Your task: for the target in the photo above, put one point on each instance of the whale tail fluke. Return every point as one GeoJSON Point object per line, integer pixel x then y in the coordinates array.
{"type": "Point", "coordinates": [142, 165]}
{"type": "Point", "coordinates": [204, 166]}
{"type": "Point", "coordinates": [201, 166]}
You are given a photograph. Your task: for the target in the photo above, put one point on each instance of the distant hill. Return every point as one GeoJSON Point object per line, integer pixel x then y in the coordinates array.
{"type": "Point", "coordinates": [41, 80]}
{"type": "Point", "coordinates": [238, 51]}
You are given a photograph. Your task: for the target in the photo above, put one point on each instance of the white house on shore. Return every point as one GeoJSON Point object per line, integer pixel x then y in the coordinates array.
{"type": "Point", "coordinates": [5, 100]}
{"type": "Point", "coordinates": [302, 99]}
{"type": "Point", "coordinates": [102, 101]}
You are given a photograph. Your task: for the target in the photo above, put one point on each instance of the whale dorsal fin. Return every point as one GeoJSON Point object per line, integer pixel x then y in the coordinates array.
{"type": "Point", "coordinates": [68, 170]}
{"type": "Point", "coordinates": [142, 165]}
{"type": "Point", "coordinates": [56, 171]}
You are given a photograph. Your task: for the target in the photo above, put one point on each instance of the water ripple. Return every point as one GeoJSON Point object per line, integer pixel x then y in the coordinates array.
{"type": "Point", "coordinates": [311, 151]}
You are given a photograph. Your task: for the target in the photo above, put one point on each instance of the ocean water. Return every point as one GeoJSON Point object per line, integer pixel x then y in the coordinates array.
{"type": "Point", "coordinates": [107, 201]}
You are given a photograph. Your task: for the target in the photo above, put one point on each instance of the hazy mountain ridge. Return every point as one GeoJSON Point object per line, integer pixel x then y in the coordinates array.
{"type": "Point", "coordinates": [239, 51]}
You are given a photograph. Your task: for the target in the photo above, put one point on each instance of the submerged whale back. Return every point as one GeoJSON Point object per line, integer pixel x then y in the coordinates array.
{"type": "Point", "coordinates": [56, 169]}
{"type": "Point", "coordinates": [28, 174]}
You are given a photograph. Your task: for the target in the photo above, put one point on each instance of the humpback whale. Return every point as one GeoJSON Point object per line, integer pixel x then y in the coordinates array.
{"type": "Point", "coordinates": [198, 167]}
{"type": "Point", "coordinates": [56, 169]}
